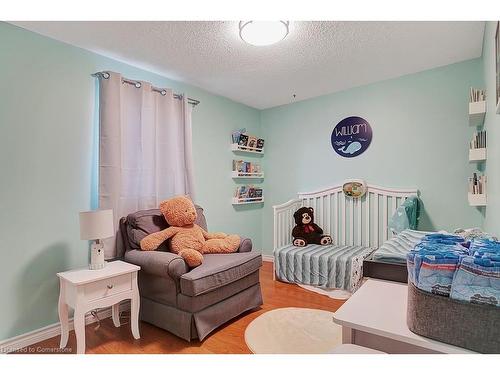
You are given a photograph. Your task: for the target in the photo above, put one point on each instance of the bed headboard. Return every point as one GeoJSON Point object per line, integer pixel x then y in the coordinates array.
{"type": "Point", "coordinates": [350, 221]}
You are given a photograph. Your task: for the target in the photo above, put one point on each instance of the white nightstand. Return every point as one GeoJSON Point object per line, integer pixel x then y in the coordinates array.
{"type": "Point", "coordinates": [85, 290]}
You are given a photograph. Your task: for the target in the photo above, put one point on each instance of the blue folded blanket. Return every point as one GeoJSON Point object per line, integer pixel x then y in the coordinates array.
{"type": "Point", "coordinates": [437, 271]}
{"type": "Point", "coordinates": [434, 261]}
{"type": "Point", "coordinates": [481, 247]}
{"type": "Point", "coordinates": [477, 280]}
{"type": "Point", "coordinates": [442, 264]}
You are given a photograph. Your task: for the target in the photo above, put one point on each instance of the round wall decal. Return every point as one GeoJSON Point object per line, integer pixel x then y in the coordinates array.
{"type": "Point", "coordinates": [351, 136]}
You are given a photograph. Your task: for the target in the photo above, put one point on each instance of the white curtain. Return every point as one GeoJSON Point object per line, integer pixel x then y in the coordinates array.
{"type": "Point", "coordinates": [145, 150]}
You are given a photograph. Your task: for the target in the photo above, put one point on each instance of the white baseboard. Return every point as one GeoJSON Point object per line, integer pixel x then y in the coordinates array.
{"type": "Point", "coordinates": [30, 338]}
{"type": "Point", "coordinates": [267, 258]}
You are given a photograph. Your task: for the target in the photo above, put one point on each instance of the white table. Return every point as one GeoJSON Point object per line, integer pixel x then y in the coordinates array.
{"type": "Point", "coordinates": [375, 317]}
{"type": "Point", "coordinates": [85, 290]}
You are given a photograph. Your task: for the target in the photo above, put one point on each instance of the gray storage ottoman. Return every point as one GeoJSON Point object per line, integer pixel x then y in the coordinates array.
{"type": "Point", "coordinates": [472, 326]}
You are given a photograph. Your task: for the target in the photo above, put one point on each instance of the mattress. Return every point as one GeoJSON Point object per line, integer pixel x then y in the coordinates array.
{"type": "Point", "coordinates": [332, 266]}
{"type": "Point", "coordinates": [396, 249]}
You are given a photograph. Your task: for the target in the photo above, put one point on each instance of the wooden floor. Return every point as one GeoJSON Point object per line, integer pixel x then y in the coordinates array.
{"type": "Point", "coordinates": [225, 340]}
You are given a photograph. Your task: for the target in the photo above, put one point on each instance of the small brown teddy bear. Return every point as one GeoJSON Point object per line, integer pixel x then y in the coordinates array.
{"type": "Point", "coordinates": [188, 239]}
{"type": "Point", "coordinates": [306, 231]}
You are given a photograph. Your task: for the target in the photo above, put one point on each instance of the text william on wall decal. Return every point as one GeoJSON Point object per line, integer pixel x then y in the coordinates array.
{"type": "Point", "coordinates": [351, 136]}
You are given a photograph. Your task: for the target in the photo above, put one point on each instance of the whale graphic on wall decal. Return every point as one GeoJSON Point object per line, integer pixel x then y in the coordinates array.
{"type": "Point", "coordinates": [351, 148]}
{"type": "Point", "coordinates": [351, 137]}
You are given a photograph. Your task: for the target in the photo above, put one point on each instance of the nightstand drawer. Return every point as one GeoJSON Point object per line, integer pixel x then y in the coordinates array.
{"type": "Point", "coordinates": [108, 287]}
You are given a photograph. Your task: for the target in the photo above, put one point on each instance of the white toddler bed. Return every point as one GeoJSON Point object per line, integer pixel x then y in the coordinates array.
{"type": "Point", "coordinates": [358, 226]}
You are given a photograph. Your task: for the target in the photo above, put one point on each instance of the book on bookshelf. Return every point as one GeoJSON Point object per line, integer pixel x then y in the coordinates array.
{"type": "Point", "coordinates": [252, 141]}
{"type": "Point", "coordinates": [246, 167]}
{"type": "Point", "coordinates": [247, 193]}
{"type": "Point", "coordinates": [478, 140]}
{"type": "Point", "coordinates": [476, 95]}
{"type": "Point", "coordinates": [235, 136]}
{"type": "Point", "coordinates": [260, 144]}
{"type": "Point", "coordinates": [477, 184]}
{"type": "Point", "coordinates": [258, 193]}
{"type": "Point", "coordinates": [243, 140]}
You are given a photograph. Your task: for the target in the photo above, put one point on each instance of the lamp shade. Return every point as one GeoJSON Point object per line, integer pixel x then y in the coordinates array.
{"type": "Point", "coordinates": [96, 225]}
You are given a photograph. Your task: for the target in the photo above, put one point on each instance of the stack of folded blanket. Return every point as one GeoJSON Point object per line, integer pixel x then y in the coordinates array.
{"type": "Point", "coordinates": [446, 265]}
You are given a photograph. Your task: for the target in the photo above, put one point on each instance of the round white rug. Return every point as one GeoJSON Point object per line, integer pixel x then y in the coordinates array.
{"type": "Point", "coordinates": [293, 330]}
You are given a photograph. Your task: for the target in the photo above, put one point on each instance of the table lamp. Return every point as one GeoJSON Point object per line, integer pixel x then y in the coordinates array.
{"type": "Point", "coordinates": [96, 225]}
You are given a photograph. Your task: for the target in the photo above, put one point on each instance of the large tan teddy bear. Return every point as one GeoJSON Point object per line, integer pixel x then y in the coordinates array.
{"type": "Point", "coordinates": [188, 240]}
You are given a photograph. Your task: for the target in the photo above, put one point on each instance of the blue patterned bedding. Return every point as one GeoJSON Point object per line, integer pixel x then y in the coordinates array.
{"type": "Point", "coordinates": [396, 249]}
{"type": "Point", "coordinates": [332, 266]}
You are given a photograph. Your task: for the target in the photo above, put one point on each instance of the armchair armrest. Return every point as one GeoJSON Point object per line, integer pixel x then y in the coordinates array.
{"type": "Point", "coordinates": [159, 263]}
{"type": "Point", "coordinates": [245, 245]}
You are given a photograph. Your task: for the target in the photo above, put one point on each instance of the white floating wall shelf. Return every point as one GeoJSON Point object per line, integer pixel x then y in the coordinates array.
{"type": "Point", "coordinates": [477, 154]}
{"type": "Point", "coordinates": [236, 174]}
{"type": "Point", "coordinates": [245, 149]}
{"type": "Point", "coordinates": [239, 201]}
{"type": "Point", "coordinates": [477, 111]}
{"type": "Point", "coordinates": [477, 199]}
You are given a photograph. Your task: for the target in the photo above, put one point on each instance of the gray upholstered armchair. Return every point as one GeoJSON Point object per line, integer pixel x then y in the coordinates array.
{"type": "Point", "coordinates": [189, 303]}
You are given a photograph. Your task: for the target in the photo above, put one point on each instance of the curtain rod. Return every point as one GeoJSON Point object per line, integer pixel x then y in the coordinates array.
{"type": "Point", "coordinates": [137, 84]}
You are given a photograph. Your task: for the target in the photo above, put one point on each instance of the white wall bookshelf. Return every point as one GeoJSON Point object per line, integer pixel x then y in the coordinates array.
{"type": "Point", "coordinates": [247, 150]}
{"type": "Point", "coordinates": [477, 112]}
{"type": "Point", "coordinates": [240, 201]}
{"type": "Point", "coordinates": [477, 200]}
{"type": "Point", "coordinates": [477, 147]}
{"type": "Point", "coordinates": [477, 154]}
{"type": "Point", "coordinates": [247, 172]}
{"type": "Point", "coordinates": [236, 174]}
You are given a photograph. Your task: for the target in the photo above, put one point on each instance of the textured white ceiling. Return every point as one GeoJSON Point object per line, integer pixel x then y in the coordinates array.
{"type": "Point", "coordinates": [315, 59]}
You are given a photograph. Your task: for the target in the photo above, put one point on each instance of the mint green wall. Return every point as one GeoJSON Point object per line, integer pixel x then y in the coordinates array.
{"type": "Point", "coordinates": [47, 132]}
{"type": "Point", "coordinates": [492, 126]}
{"type": "Point", "coordinates": [47, 153]}
{"type": "Point", "coordinates": [420, 139]}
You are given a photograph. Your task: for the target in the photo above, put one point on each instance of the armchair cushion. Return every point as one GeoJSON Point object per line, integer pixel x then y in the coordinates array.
{"type": "Point", "coordinates": [198, 303]}
{"type": "Point", "coordinates": [218, 270]}
{"type": "Point", "coordinates": [158, 263]}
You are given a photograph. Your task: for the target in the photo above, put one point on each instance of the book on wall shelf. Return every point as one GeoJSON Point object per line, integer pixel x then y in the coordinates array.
{"type": "Point", "coordinates": [477, 190]}
{"type": "Point", "coordinates": [477, 146]}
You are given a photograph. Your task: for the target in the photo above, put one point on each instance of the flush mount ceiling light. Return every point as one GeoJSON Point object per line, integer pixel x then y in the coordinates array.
{"type": "Point", "coordinates": [263, 33]}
